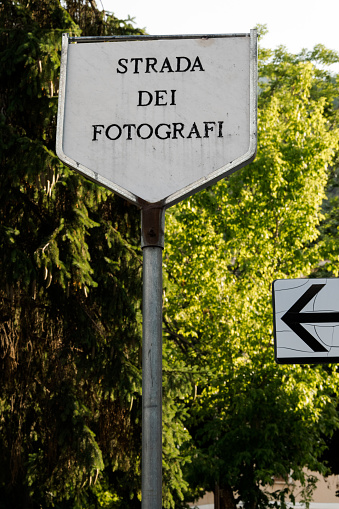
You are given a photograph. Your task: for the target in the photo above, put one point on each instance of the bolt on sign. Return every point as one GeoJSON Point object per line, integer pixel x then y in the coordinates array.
{"type": "Point", "coordinates": [155, 119]}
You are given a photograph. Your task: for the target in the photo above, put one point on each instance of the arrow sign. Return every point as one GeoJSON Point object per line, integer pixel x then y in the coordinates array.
{"type": "Point", "coordinates": [312, 332]}
{"type": "Point", "coordinates": [293, 318]}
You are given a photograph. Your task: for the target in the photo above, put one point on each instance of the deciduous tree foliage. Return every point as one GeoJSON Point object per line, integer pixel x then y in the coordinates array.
{"type": "Point", "coordinates": [250, 419]}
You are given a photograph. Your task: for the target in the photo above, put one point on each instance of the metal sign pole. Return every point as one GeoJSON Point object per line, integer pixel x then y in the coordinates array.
{"type": "Point", "coordinates": [208, 144]}
{"type": "Point", "coordinates": [152, 243]}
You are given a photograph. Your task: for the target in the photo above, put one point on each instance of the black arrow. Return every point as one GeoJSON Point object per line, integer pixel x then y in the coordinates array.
{"type": "Point", "coordinates": [293, 318]}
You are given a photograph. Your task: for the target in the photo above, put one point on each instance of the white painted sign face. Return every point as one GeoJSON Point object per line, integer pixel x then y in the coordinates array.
{"type": "Point", "coordinates": [158, 119]}
{"type": "Point", "coordinates": [306, 320]}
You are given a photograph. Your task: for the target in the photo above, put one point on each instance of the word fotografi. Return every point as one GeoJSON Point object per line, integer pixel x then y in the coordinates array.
{"type": "Point", "coordinates": [158, 99]}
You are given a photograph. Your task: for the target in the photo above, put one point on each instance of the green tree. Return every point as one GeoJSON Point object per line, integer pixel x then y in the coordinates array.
{"type": "Point", "coordinates": [250, 419]}
{"type": "Point", "coordinates": [70, 271]}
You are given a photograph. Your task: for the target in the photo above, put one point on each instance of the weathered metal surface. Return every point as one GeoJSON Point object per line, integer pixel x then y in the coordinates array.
{"type": "Point", "coordinates": [152, 227]}
{"type": "Point", "coordinates": [157, 118]}
{"type": "Point", "coordinates": [152, 379]}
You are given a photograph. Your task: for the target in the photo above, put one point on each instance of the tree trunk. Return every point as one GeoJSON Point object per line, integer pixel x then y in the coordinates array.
{"type": "Point", "coordinates": [224, 497]}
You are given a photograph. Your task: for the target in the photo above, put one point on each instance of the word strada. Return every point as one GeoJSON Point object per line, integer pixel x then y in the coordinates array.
{"type": "Point", "coordinates": [172, 131]}
{"type": "Point", "coordinates": [147, 65]}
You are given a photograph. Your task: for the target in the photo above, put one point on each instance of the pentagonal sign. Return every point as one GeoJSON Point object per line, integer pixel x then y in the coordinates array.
{"type": "Point", "coordinates": [156, 119]}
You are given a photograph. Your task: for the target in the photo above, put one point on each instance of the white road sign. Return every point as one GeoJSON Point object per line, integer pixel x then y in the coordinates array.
{"type": "Point", "coordinates": [157, 118]}
{"type": "Point", "coordinates": [306, 320]}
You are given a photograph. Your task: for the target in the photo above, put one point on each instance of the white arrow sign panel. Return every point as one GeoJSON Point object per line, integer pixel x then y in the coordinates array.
{"type": "Point", "coordinates": [306, 320]}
